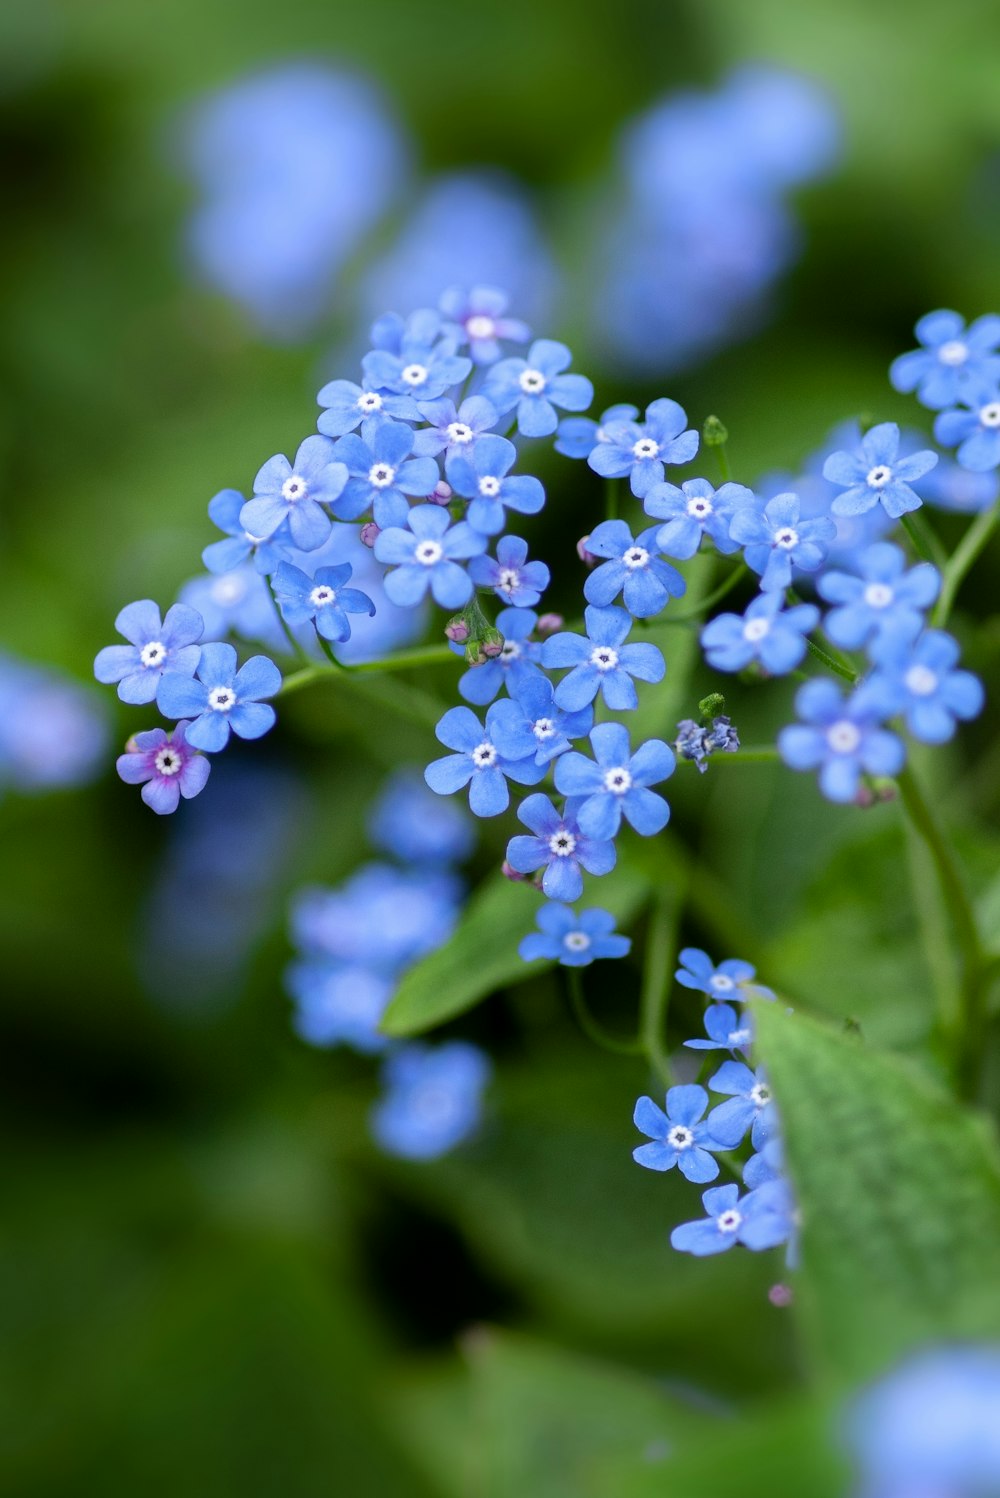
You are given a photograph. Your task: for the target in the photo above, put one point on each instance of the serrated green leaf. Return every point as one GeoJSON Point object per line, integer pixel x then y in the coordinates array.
{"type": "Point", "coordinates": [899, 1190]}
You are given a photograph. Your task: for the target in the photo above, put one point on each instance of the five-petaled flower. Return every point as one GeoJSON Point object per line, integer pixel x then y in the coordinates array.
{"type": "Point", "coordinates": [427, 555]}
{"type": "Point", "coordinates": [221, 698]}
{"type": "Point", "coordinates": [536, 386]}
{"type": "Point", "coordinates": [682, 1136]}
{"type": "Point", "coordinates": [165, 765]}
{"type": "Point", "coordinates": [600, 661]}
{"type": "Point", "coordinates": [154, 647]}
{"type": "Point", "coordinates": [574, 940]}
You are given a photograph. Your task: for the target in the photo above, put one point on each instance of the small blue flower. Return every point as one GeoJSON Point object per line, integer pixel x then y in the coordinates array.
{"type": "Point", "coordinates": [166, 767]}
{"type": "Point", "coordinates": [382, 473]}
{"type": "Point", "coordinates": [551, 727]}
{"type": "Point", "coordinates": [478, 317]}
{"type": "Point", "coordinates": [759, 1221]}
{"type": "Point", "coordinates": [875, 473]}
{"type": "Point", "coordinates": [600, 661]}
{"type": "Point", "coordinates": [766, 1165]}
{"type": "Point", "coordinates": [879, 598]}
{"type": "Point", "coordinates": [479, 762]}
{"type": "Point", "coordinates": [382, 918]}
{"type": "Point", "coordinates": [776, 538]}
{"type": "Point", "coordinates": [482, 478]}
{"type": "Point", "coordinates": [645, 581]}
{"type": "Point", "coordinates": [840, 738]}
{"type": "Point", "coordinates": [155, 647]}
{"type": "Point", "coordinates": [679, 1135]}
{"type": "Point", "coordinates": [452, 429]}
{"type": "Point", "coordinates": [692, 511]}
{"type": "Point", "coordinates": [323, 598]}
{"type": "Point", "coordinates": [765, 632]}
{"type": "Point", "coordinates": [433, 1099]}
{"type": "Point", "coordinates": [537, 385]}
{"type": "Point", "coordinates": [919, 680]}
{"type": "Point", "coordinates": [949, 486]}
{"type": "Point", "coordinates": [224, 510]}
{"type": "Point", "coordinates": [421, 364]}
{"type": "Point", "coordinates": [221, 698]}
{"type": "Point", "coordinates": [426, 555]}
{"type": "Point", "coordinates": [412, 824]}
{"type": "Point", "coordinates": [348, 405]}
{"type": "Point", "coordinates": [338, 1005]}
{"type": "Point", "coordinates": [574, 940]}
{"type": "Point", "coordinates": [725, 1031]}
{"type": "Point", "coordinates": [731, 981]}
{"type": "Point", "coordinates": [952, 357]}
{"type": "Point", "coordinates": [511, 576]}
{"type": "Point", "coordinates": [559, 846]}
{"type": "Point", "coordinates": [642, 450]}
{"type": "Point", "coordinates": [974, 428]}
{"type": "Point", "coordinates": [516, 664]}
{"type": "Point", "coordinates": [615, 783]}
{"type": "Point", "coordinates": [579, 435]}
{"type": "Point", "coordinates": [296, 496]}
{"type": "Point", "coordinates": [750, 1104]}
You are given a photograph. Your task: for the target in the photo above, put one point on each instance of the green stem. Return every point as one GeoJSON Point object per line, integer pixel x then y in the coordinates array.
{"type": "Point", "coordinates": [961, 560]}
{"type": "Point", "coordinates": [656, 978]}
{"type": "Point", "coordinates": [705, 604]}
{"type": "Point", "coordinates": [924, 539]}
{"type": "Point", "coordinates": [841, 668]}
{"type": "Point", "coordinates": [756, 755]}
{"type": "Point", "coordinates": [589, 1025]}
{"type": "Point", "coordinates": [399, 696]}
{"type": "Point", "coordinates": [421, 655]}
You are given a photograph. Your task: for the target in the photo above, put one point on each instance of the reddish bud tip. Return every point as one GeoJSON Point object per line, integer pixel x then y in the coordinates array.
{"type": "Point", "coordinates": [780, 1295]}
{"type": "Point", "coordinates": [369, 532]}
{"type": "Point", "coordinates": [548, 624]}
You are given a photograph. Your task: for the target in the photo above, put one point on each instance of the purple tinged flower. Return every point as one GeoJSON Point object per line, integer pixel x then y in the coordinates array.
{"type": "Point", "coordinates": [420, 363]}
{"type": "Point", "coordinates": [479, 762]}
{"type": "Point", "coordinates": [511, 576]}
{"type": "Point", "coordinates": [154, 646]}
{"type": "Point", "coordinates": [919, 680]}
{"type": "Point", "coordinates": [348, 405]}
{"type": "Point", "coordinates": [297, 495]}
{"type": "Point", "coordinates": [426, 555]}
{"type": "Point", "coordinates": [477, 317]}
{"type": "Point", "coordinates": [551, 727]}
{"type": "Point", "coordinates": [165, 765]}
{"type": "Point", "coordinates": [536, 386]}
{"type": "Point", "coordinates": [601, 661]}
{"type": "Point", "coordinates": [692, 511]}
{"type": "Point", "coordinates": [951, 358]}
{"type": "Point", "coordinates": [642, 450]}
{"type": "Point", "coordinates": [221, 698]}
{"type": "Point", "coordinates": [974, 428]}
{"type": "Point", "coordinates": [875, 474]}
{"type": "Point", "coordinates": [841, 738]}
{"type": "Point", "coordinates": [433, 1099]}
{"type": "Point", "coordinates": [574, 940]}
{"type": "Point", "coordinates": [760, 1221]}
{"type": "Point", "coordinates": [731, 982]}
{"type": "Point", "coordinates": [224, 510]}
{"type": "Point", "coordinates": [725, 1031]}
{"type": "Point", "coordinates": [615, 783]}
{"type": "Point", "coordinates": [877, 597]}
{"type": "Point", "coordinates": [323, 598]}
{"type": "Point", "coordinates": [776, 538]}
{"type": "Point", "coordinates": [382, 472]}
{"type": "Point", "coordinates": [766, 632]}
{"type": "Point", "coordinates": [481, 476]}
{"type": "Point", "coordinates": [559, 846]}
{"type": "Point", "coordinates": [645, 582]}
{"type": "Point", "coordinates": [579, 435]}
{"type": "Point", "coordinates": [750, 1099]}
{"type": "Point", "coordinates": [339, 1005]}
{"type": "Point", "coordinates": [516, 664]}
{"type": "Point", "coordinates": [681, 1136]}
{"type": "Point", "coordinates": [453, 430]}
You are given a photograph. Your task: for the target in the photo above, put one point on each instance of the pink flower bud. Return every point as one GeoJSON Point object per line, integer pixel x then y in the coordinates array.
{"type": "Point", "coordinates": [509, 872]}
{"type": "Point", "coordinates": [780, 1295]}
{"type": "Point", "coordinates": [586, 557]}
{"type": "Point", "coordinates": [369, 533]}
{"type": "Point", "coordinates": [457, 630]}
{"type": "Point", "coordinates": [548, 624]}
{"type": "Point", "coordinates": [440, 494]}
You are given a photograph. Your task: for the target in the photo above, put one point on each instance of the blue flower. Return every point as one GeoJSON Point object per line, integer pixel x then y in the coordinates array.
{"type": "Point", "coordinates": [766, 1165]}
{"type": "Point", "coordinates": [482, 478]}
{"type": "Point", "coordinates": [840, 738]}
{"type": "Point", "coordinates": [974, 430]}
{"type": "Point", "coordinates": [426, 555]}
{"type": "Point", "coordinates": [417, 827]}
{"type": "Point", "coordinates": [237, 602]}
{"type": "Point", "coordinates": [322, 598]}
{"type": "Point", "coordinates": [516, 664]}
{"type": "Point", "coordinates": [297, 495]}
{"type": "Point", "coordinates": [759, 1221]}
{"type": "Point", "coordinates": [875, 473]}
{"type": "Point", "coordinates": [765, 632]}
{"type": "Point", "coordinates": [422, 364]}
{"type": "Point", "coordinates": [880, 598]}
{"type": "Point", "coordinates": [642, 450]}
{"type": "Point", "coordinates": [559, 846]}
{"type": "Point", "coordinates": [154, 647]}
{"type": "Point", "coordinates": [731, 980]}
{"type": "Point", "coordinates": [511, 576]}
{"type": "Point", "coordinates": [381, 918]}
{"type": "Point", "coordinates": [165, 765]}
{"type": "Point", "coordinates": [382, 472]}
{"type": "Point", "coordinates": [574, 940]}
{"type": "Point", "coordinates": [551, 727]}
{"type": "Point", "coordinates": [433, 1099]}
{"type": "Point", "coordinates": [918, 679]}
{"type": "Point", "coordinates": [479, 762]}
{"type": "Point", "coordinates": [224, 510]}
{"type": "Point", "coordinates": [949, 486]}
{"type": "Point", "coordinates": [692, 511]}
{"type": "Point", "coordinates": [478, 317]}
{"type": "Point", "coordinates": [695, 742]}
{"type": "Point", "coordinates": [537, 385]}
{"type": "Point", "coordinates": [615, 783]}
{"type": "Point", "coordinates": [453, 429]}
{"type": "Point", "coordinates": [776, 539]}
{"type": "Point", "coordinates": [600, 661]}
{"type": "Point", "coordinates": [952, 357]}
{"type": "Point", "coordinates": [680, 1137]}
{"type": "Point", "coordinates": [348, 405]}
{"type": "Point", "coordinates": [725, 1031]}
{"type": "Point", "coordinates": [750, 1104]}
{"type": "Point", "coordinates": [579, 435]}
{"type": "Point", "coordinates": [339, 1005]}
{"type": "Point", "coordinates": [221, 698]}
{"type": "Point", "coordinates": [645, 582]}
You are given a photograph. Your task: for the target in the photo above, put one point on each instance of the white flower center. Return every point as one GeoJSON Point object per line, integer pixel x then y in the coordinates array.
{"type": "Point", "coordinates": [509, 579]}
{"type": "Point", "coordinates": [489, 487]}
{"type": "Point", "coordinates": [878, 595]}
{"type": "Point", "coordinates": [562, 843]}
{"type": "Point", "coordinates": [428, 552]}
{"type": "Point", "coordinates": [843, 737]}
{"type": "Point", "coordinates": [510, 650]}
{"type": "Point", "coordinates": [760, 1095]}
{"type": "Point", "coordinates": [321, 596]}
{"type": "Point", "coordinates": [543, 728]}
{"type": "Point", "coordinates": [680, 1138]}
{"type": "Point", "coordinates": [368, 402]}
{"type": "Point", "coordinates": [721, 982]}
{"type": "Point", "coordinates": [415, 374]}
{"type": "Point", "coordinates": [786, 538]}
{"type": "Point", "coordinates": [480, 326]}
{"type": "Point", "coordinates": [618, 780]}
{"type": "Point", "coordinates": [729, 1222]}
{"type": "Point", "coordinates": [381, 475]}
{"type": "Point", "coordinates": [756, 629]}
{"type": "Point", "coordinates": [921, 681]}
{"type": "Point", "coordinates": [167, 761]}
{"type": "Point", "coordinates": [953, 352]}
{"type": "Point", "coordinates": [484, 756]}
{"type": "Point", "coordinates": [878, 476]}
{"type": "Point", "coordinates": [604, 658]}
{"type": "Point", "coordinates": [221, 699]}
{"type": "Point", "coordinates": [645, 448]}
{"type": "Point", "coordinates": [459, 433]}
{"type": "Point", "coordinates": [990, 415]}
{"type": "Point", "coordinates": [531, 381]}
{"type": "Point", "coordinates": [737, 1038]}
{"type": "Point", "coordinates": [635, 557]}
{"type": "Point", "coordinates": [153, 654]}
{"type": "Point", "coordinates": [294, 488]}
{"type": "Point", "coordinates": [699, 508]}
{"type": "Point", "coordinates": [227, 591]}
{"type": "Point", "coordinates": [576, 941]}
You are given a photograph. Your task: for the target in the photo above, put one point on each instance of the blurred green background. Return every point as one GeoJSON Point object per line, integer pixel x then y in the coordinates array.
{"type": "Point", "coordinates": [212, 1284]}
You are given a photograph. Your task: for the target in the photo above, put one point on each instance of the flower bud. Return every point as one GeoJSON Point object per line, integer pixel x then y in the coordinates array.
{"type": "Point", "coordinates": [457, 629]}
{"type": "Point", "coordinates": [475, 655]}
{"type": "Point", "coordinates": [491, 642]}
{"type": "Point", "coordinates": [780, 1295]}
{"type": "Point", "coordinates": [586, 557]}
{"type": "Point", "coordinates": [548, 624]}
{"type": "Point", "coordinates": [509, 872]}
{"type": "Point", "coordinates": [713, 433]}
{"type": "Point", "coordinates": [369, 533]}
{"type": "Point", "coordinates": [440, 494]}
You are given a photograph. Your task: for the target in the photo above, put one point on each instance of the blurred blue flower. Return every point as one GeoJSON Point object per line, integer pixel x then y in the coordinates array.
{"type": "Point", "coordinates": [381, 918]}
{"type": "Point", "coordinates": [766, 632]}
{"type": "Point", "coordinates": [880, 598]}
{"type": "Point", "coordinates": [918, 679]}
{"type": "Point", "coordinates": [432, 1100]}
{"type": "Point", "coordinates": [53, 731]}
{"type": "Point", "coordinates": [414, 825]}
{"type": "Point", "coordinates": [841, 738]}
{"type": "Point", "coordinates": [479, 318]}
{"type": "Point", "coordinates": [952, 357]}
{"type": "Point", "coordinates": [338, 1005]}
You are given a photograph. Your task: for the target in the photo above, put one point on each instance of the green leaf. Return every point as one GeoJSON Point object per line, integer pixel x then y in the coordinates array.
{"type": "Point", "coordinates": [899, 1190]}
